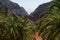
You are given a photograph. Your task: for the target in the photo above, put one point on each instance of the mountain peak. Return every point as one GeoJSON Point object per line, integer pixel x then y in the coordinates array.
{"type": "Point", "coordinates": [13, 7]}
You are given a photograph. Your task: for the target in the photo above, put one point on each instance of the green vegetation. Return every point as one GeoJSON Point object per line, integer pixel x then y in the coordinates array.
{"type": "Point", "coordinates": [49, 23]}
{"type": "Point", "coordinates": [49, 26]}
{"type": "Point", "coordinates": [14, 27]}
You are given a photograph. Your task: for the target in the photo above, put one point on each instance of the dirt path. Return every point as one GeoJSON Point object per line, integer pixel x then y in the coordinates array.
{"type": "Point", "coordinates": [37, 37]}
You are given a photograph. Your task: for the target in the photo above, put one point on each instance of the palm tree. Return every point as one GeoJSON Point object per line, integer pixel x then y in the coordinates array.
{"type": "Point", "coordinates": [49, 23]}
{"type": "Point", "coordinates": [14, 28]}
{"type": "Point", "coordinates": [55, 4]}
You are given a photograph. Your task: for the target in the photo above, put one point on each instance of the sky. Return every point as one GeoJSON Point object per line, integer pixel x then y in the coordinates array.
{"type": "Point", "coordinates": [30, 5]}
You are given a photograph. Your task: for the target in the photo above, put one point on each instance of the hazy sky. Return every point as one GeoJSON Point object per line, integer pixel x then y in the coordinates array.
{"type": "Point", "coordinates": [30, 5]}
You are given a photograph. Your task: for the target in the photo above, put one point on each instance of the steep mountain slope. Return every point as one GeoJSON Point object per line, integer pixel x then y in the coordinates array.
{"type": "Point", "coordinates": [39, 10]}
{"type": "Point", "coordinates": [13, 7]}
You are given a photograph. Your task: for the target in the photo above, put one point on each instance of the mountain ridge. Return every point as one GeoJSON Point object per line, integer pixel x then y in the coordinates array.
{"type": "Point", "coordinates": [39, 11]}
{"type": "Point", "coordinates": [13, 7]}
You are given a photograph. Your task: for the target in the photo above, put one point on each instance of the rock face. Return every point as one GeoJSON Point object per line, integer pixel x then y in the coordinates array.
{"type": "Point", "coordinates": [13, 7]}
{"type": "Point", "coordinates": [39, 10]}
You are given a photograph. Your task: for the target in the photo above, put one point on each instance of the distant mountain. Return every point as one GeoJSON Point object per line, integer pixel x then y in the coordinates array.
{"type": "Point", "coordinates": [39, 10]}
{"type": "Point", "coordinates": [13, 8]}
